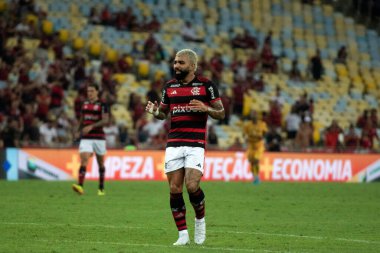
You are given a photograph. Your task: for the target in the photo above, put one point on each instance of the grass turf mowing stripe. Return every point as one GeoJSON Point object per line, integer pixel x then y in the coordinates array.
{"type": "Point", "coordinates": [210, 230]}
{"type": "Point", "coordinates": [162, 246]}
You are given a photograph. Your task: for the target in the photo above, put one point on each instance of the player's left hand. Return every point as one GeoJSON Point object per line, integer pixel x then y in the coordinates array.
{"type": "Point", "coordinates": [198, 105]}
{"type": "Point", "coordinates": [86, 129]}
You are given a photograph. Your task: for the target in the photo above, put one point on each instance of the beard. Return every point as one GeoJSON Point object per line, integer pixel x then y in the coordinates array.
{"type": "Point", "coordinates": [181, 75]}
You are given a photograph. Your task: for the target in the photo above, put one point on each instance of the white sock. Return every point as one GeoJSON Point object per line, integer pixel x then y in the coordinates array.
{"type": "Point", "coordinates": [200, 220]}
{"type": "Point", "coordinates": [183, 232]}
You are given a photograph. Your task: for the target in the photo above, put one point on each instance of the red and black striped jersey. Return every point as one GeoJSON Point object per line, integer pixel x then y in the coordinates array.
{"type": "Point", "coordinates": [188, 127]}
{"type": "Point", "coordinates": [92, 113]}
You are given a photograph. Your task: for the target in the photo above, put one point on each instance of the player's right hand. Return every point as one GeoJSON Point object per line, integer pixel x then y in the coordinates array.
{"type": "Point", "coordinates": [150, 107]}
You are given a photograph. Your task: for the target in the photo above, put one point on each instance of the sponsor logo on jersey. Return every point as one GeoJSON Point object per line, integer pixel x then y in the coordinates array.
{"type": "Point", "coordinates": [211, 89]}
{"type": "Point", "coordinates": [91, 117]}
{"type": "Point", "coordinates": [181, 109]}
{"type": "Point", "coordinates": [163, 95]}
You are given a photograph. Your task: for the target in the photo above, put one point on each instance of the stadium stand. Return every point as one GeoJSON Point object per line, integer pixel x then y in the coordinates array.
{"type": "Point", "coordinates": [58, 43]}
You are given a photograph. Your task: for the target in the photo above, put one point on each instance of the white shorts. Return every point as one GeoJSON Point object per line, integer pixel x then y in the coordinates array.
{"type": "Point", "coordinates": [90, 146]}
{"type": "Point", "coordinates": [184, 157]}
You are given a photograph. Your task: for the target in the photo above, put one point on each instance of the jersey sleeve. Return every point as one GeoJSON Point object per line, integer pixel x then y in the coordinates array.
{"type": "Point", "coordinates": [212, 92]}
{"type": "Point", "coordinates": [164, 98]}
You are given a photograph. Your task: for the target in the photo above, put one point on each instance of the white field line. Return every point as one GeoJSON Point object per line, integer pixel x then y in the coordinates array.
{"type": "Point", "coordinates": [148, 245]}
{"type": "Point", "coordinates": [209, 230]}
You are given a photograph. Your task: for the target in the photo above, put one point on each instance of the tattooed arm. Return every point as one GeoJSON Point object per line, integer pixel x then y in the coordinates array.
{"type": "Point", "coordinates": [216, 110]}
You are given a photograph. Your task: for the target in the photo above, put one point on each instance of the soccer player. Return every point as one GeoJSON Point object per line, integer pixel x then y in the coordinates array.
{"type": "Point", "coordinates": [189, 99]}
{"type": "Point", "coordinates": [254, 131]}
{"type": "Point", "coordinates": [94, 115]}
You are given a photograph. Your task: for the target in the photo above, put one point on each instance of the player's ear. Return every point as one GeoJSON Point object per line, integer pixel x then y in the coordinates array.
{"type": "Point", "coordinates": [193, 67]}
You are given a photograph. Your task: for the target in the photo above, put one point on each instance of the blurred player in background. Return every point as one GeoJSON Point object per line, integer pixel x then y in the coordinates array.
{"type": "Point", "coordinates": [190, 99]}
{"type": "Point", "coordinates": [94, 115]}
{"type": "Point", "coordinates": [254, 132]}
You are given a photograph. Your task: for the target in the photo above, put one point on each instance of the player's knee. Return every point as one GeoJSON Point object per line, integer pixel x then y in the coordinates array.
{"type": "Point", "coordinates": [82, 170]}
{"type": "Point", "coordinates": [192, 186]}
{"type": "Point", "coordinates": [175, 188]}
{"type": "Point", "coordinates": [102, 170]}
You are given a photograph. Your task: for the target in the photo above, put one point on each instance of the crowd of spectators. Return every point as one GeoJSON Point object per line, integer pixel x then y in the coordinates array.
{"type": "Point", "coordinates": [124, 20]}
{"type": "Point", "coordinates": [34, 111]}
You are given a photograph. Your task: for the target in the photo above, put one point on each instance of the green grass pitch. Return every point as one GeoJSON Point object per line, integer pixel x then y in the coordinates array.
{"type": "Point", "coordinates": [38, 216]}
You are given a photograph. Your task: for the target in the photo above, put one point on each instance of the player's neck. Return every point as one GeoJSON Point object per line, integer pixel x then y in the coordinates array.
{"type": "Point", "coordinates": [93, 100]}
{"type": "Point", "coordinates": [188, 79]}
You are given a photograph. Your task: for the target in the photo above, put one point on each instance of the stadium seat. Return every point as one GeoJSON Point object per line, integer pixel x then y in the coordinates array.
{"type": "Point", "coordinates": [3, 5]}
{"type": "Point", "coordinates": [78, 43]}
{"type": "Point", "coordinates": [95, 48]}
{"type": "Point", "coordinates": [111, 55]}
{"type": "Point", "coordinates": [143, 69]}
{"type": "Point", "coordinates": [47, 27]}
{"type": "Point", "coordinates": [120, 78]}
{"type": "Point", "coordinates": [64, 35]}
{"type": "Point", "coordinates": [159, 74]}
{"type": "Point", "coordinates": [30, 18]}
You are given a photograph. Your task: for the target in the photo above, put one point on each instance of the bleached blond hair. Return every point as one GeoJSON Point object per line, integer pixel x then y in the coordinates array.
{"type": "Point", "coordinates": [193, 57]}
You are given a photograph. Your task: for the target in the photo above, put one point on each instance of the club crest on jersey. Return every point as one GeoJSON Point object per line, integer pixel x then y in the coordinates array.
{"type": "Point", "coordinates": [196, 91]}
{"type": "Point", "coordinates": [96, 107]}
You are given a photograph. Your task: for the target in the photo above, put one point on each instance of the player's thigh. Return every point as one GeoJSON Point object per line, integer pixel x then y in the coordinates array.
{"type": "Point", "coordinates": [84, 157]}
{"type": "Point", "coordinates": [251, 154]}
{"type": "Point", "coordinates": [176, 179]}
{"type": "Point", "coordinates": [174, 159]}
{"type": "Point", "coordinates": [99, 147]}
{"type": "Point", "coordinates": [254, 155]}
{"type": "Point", "coordinates": [259, 152]}
{"type": "Point", "coordinates": [195, 158]}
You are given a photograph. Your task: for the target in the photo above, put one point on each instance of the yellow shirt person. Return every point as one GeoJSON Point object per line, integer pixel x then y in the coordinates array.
{"type": "Point", "coordinates": [254, 132]}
